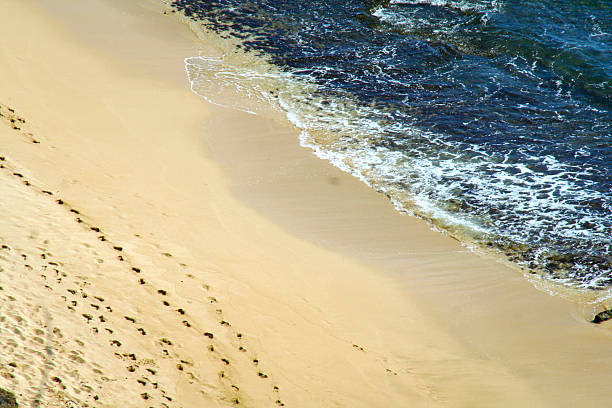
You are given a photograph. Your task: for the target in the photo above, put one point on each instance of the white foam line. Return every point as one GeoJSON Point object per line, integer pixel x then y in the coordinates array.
{"type": "Point", "coordinates": [380, 168]}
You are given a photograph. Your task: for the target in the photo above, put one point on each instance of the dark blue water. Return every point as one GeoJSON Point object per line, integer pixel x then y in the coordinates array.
{"type": "Point", "coordinates": [491, 119]}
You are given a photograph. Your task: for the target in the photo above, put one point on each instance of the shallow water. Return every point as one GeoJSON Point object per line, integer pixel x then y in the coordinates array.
{"type": "Point", "coordinates": [490, 119]}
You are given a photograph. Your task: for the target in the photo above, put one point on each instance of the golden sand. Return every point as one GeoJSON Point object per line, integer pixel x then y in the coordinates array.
{"type": "Point", "coordinates": [161, 251]}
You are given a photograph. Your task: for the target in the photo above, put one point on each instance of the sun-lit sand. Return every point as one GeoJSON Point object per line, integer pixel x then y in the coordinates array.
{"type": "Point", "coordinates": [158, 251]}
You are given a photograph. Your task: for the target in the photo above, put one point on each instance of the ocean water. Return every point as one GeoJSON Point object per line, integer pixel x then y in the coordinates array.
{"type": "Point", "coordinates": [490, 119]}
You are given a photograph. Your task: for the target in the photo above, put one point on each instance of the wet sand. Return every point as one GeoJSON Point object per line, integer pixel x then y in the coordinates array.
{"type": "Point", "coordinates": [161, 250]}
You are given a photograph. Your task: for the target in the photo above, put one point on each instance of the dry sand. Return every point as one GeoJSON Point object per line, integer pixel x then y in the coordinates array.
{"type": "Point", "coordinates": [161, 251]}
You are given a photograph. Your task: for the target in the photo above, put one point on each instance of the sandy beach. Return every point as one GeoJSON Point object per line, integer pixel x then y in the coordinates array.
{"type": "Point", "coordinates": [161, 251]}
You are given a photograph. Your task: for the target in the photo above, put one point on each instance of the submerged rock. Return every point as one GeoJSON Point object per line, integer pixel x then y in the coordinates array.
{"type": "Point", "coordinates": [602, 316]}
{"type": "Point", "coordinates": [7, 399]}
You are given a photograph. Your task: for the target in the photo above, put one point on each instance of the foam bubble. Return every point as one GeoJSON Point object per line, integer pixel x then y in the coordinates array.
{"type": "Point", "coordinates": [463, 5]}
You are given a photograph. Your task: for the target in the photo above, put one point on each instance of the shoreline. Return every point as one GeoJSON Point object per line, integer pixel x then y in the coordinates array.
{"type": "Point", "coordinates": [208, 203]}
